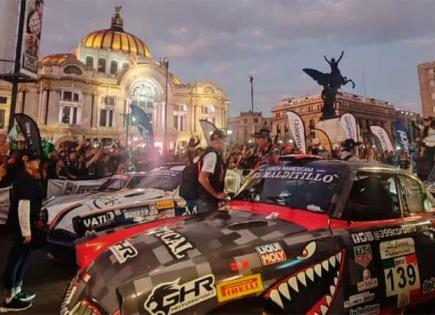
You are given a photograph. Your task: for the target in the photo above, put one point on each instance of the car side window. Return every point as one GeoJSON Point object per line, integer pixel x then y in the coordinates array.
{"type": "Point", "coordinates": [412, 195]}
{"type": "Point", "coordinates": [373, 197]}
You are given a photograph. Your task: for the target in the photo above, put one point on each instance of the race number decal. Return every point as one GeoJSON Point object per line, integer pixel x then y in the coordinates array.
{"type": "Point", "coordinates": [401, 275]}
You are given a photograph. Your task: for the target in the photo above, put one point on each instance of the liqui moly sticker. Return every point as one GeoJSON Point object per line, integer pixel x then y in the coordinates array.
{"type": "Point", "coordinates": [271, 253]}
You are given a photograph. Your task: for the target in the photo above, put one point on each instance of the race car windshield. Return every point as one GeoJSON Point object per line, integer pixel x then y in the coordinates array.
{"type": "Point", "coordinates": [167, 180]}
{"type": "Point", "coordinates": [299, 187]}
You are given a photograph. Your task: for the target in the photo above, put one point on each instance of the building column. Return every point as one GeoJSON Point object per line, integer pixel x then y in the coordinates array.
{"type": "Point", "coordinates": [42, 105]}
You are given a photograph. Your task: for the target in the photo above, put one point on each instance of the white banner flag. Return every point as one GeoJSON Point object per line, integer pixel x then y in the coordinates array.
{"type": "Point", "coordinates": [297, 129]}
{"type": "Point", "coordinates": [348, 122]}
{"type": "Point", "coordinates": [383, 137]}
{"type": "Point", "coordinates": [207, 128]}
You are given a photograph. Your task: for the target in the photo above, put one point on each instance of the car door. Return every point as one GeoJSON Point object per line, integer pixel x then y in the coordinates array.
{"type": "Point", "coordinates": [417, 210]}
{"type": "Point", "coordinates": [382, 263]}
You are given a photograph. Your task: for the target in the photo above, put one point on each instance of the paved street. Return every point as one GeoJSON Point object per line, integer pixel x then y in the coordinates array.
{"type": "Point", "coordinates": [46, 278]}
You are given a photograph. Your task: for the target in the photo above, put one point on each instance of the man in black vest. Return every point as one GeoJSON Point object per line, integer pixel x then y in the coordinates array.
{"type": "Point", "coordinates": [212, 174]}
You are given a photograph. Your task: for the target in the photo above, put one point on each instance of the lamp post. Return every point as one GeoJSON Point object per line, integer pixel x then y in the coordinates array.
{"type": "Point", "coordinates": [165, 62]}
{"type": "Point", "coordinates": [251, 79]}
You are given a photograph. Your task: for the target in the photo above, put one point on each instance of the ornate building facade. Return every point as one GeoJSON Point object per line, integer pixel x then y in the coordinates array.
{"type": "Point", "coordinates": [426, 79]}
{"type": "Point", "coordinates": [367, 111]}
{"type": "Point", "coordinates": [242, 127]}
{"type": "Point", "coordinates": [88, 92]}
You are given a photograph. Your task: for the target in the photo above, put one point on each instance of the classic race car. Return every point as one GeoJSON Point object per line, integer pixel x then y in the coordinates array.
{"type": "Point", "coordinates": [154, 200]}
{"type": "Point", "coordinates": [312, 237]}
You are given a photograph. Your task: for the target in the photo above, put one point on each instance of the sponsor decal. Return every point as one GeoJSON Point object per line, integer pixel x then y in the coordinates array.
{"type": "Point", "coordinates": [232, 289]}
{"type": "Point", "coordinates": [428, 231]}
{"type": "Point", "coordinates": [172, 297]}
{"type": "Point", "coordinates": [362, 237]}
{"type": "Point", "coordinates": [428, 285]}
{"type": "Point", "coordinates": [107, 201]}
{"type": "Point", "coordinates": [371, 309]}
{"type": "Point", "coordinates": [123, 251]}
{"type": "Point", "coordinates": [401, 275]}
{"type": "Point", "coordinates": [367, 282]}
{"type": "Point", "coordinates": [403, 299]}
{"type": "Point", "coordinates": [165, 204]}
{"type": "Point", "coordinates": [135, 213]}
{"type": "Point", "coordinates": [369, 236]}
{"type": "Point", "coordinates": [299, 173]}
{"type": "Point", "coordinates": [363, 255]}
{"type": "Point", "coordinates": [271, 253]}
{"type": "Point", "coordinates": [176, 243]}
{"type": "Point", "coordinates": [239, 265]}
{"type": "Point", "coordinates": [396, 231]}
{"type": "Point", "coordinates": [395, 248]}
{"type": "Point", "coordinates": [98, 220]}
{"type": "Point", "coordinates": [359, 298]}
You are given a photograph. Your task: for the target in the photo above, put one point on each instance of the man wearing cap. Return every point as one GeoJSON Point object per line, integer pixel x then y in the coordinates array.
{"type": "Point", "coordinates": [25, 207]}
{"type": "Point", "coordinates": [212, 174]}
{"type": "Point", "coordinates": [348, 150]}
{"type": "Point", "coordinates": [264, 145]}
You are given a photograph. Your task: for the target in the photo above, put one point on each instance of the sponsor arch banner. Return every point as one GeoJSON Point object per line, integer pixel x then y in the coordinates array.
{"type": "Point", "coordinates": [383, 138]}
{"type": "Point", "coordinates": [297, 129]}
{"type": "Point", "coordinates": [324, 140]}
{"type": "Point", "coordinates": [402, 136]}
{"type": "Point", "coordinates": [348, 122]}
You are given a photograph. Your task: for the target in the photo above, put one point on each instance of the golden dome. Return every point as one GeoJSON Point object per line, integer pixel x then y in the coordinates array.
{"type": "Point", "coordinates": [116, 39]}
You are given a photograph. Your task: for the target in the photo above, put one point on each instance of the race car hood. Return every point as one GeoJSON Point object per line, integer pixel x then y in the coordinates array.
{"type": "Point", "coordinates": [213, 242]}
{"type": "Point", "coordinates": [61, 215]}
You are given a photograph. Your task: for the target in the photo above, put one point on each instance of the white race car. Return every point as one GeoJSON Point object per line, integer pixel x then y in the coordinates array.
{"type": "Point", "coordinates": [159, 184]}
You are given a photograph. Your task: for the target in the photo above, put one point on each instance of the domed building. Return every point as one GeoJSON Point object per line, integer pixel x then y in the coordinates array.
{"type": "Point", "coordinates": [88, 92]}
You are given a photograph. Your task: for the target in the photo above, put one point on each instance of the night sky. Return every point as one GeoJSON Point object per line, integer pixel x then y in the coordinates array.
{"type": "Point", "coordinates": [227, 40]}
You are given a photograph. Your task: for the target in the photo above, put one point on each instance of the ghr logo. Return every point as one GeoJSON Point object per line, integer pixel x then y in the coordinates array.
{"type": "Point", "coordinates": [171, 297]}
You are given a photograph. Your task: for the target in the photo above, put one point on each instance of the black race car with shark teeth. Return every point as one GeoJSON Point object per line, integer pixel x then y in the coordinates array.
{"type": "Point", "coordinates": [310, 237]}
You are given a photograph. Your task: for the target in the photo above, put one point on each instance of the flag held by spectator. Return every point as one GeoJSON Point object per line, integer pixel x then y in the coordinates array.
{"type": "Point", "coordinates": [297, 129]}
{"type": "Point", "coordinates": [143, 123]}
{"type": "Point", "coordinates": [30, 131]}
{"type": "Point", "coordinates": [207, 128]}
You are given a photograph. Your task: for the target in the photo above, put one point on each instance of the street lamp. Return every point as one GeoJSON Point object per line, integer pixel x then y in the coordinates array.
{"type": "Point", "coordinates": [165, 62]}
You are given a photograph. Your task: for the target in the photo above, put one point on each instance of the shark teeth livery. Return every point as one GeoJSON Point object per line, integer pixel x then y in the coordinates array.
{"type": "Point", "coordinates": [319, 286]}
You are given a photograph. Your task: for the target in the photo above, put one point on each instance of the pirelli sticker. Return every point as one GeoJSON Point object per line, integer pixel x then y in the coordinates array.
{"type": "Point", "coordinates": [229, 290]}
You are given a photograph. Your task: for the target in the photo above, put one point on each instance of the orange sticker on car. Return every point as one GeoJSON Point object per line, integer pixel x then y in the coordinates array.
{"type": "Point", "coordinates": [233, 289]}
{"type": "Point", "coordinates": [165, 204]}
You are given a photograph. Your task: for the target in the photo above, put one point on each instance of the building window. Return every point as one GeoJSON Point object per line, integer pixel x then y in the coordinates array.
{"type": "Point", "coordinates": [113, 67]}
{"type": "Point", "coordinates": [278, 115]}
{"type": "Point", "coordinates": [433, 95]}
{"type": "Point", "coordinates": [72, 70]}
{"type": "Point", "coordinates": [180, 117]}
{"type": "Point", "coordinates": [70, 108]}
{"type": "Point", "coordinates": [255, 120]}
{"type": "Point", "coordinates": [107, 110]}
{"type": "Point", "coordinates": [90, 61]}
{"type": "Point", "coordinates": [108, 100]}
{"type": "Point", "coordinates": [432, 82]}
{"type": "Point", "coordinates": [69, 96]}
{"type": "Point", "coordinates": [3, 99]}
{"type": "Point", "coordinates": [2, 118]}
{"type": "Point", "coordinates": [101, 65]}
{"type": "Point", "coordinates": [106, 117]}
